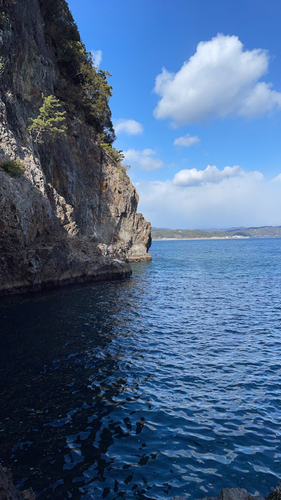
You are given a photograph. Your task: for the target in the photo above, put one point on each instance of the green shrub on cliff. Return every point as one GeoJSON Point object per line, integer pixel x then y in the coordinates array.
{"type": "Point", "coordinates": [14, 168]}
{"type": "Point", "coordinates": [49, 121]}
{"type": "Point", "coordinates": [3, 19]}
{"type": "Point", "coordinates": [80, 86]}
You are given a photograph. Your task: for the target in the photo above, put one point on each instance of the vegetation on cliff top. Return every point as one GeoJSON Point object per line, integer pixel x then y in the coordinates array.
{"type": "Point", "coordinates": [117, 156]}
{"type": "Point", "coordinates": [80, 85]}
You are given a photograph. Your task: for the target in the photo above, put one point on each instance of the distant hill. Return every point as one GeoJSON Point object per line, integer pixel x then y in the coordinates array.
{"type": "Point", "coordinates": [243, 232]}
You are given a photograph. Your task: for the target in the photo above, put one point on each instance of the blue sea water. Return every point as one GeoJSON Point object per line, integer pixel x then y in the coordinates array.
{"type": "Point", "coordinates": [161, 386]}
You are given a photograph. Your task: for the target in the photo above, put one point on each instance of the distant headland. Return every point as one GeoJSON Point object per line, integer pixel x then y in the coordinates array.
{"type": "Point", "coordinates": [238, 232]}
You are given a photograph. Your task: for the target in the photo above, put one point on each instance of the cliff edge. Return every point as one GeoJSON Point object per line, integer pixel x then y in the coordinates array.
{"type": "Point", "coordinates": [74, 197]}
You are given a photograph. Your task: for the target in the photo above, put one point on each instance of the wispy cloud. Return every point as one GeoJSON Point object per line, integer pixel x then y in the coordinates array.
{"type": "Point", "coordinates": [220, 79]}
{"type": "Point", "coordinates": [97, 57]}
{"type": "Point", "coordinates": [277, 178]}
{"type": "Point", "coordinates": [130, 127]}
{"type": "Point", "coordinates": [143, 159]}
{"type": "Point", "coordinates": [186, 141]}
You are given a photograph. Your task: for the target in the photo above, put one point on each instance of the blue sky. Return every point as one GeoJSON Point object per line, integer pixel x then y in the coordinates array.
{"type": "Point", "coordinates": [202, 136]}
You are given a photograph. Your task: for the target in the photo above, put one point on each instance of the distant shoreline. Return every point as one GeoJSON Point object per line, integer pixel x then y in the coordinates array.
{"type": "Point", "coordinates": [204, 238]}
{"type": "Point", "coordinates": [216, 234]}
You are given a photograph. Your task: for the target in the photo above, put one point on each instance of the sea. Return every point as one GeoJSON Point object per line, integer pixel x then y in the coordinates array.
{"type": "Point", "coordinates": [166, 385]}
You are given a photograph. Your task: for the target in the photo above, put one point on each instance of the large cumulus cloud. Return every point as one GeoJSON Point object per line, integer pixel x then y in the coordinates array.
{"type": "Point", "coordinates": [220, 79]}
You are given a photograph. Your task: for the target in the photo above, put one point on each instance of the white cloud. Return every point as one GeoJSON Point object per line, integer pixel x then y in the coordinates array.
{"type": "Point", "coordinates": [130, 127]}
{"type": "Point", "coordinates": [212, 174]}
{"type": "Point", "coordinates": [220, 79]}
{"type": "Point", "coordinates": [97, 57]}
{"type": "Point", "coordinates": [241, 199]}
{"type": "Point", "coordinates": [277, 178]}
{"type": "Point", "coordinates": [186, 141]}
{"type": "Point", "coordinates": [143, 159]}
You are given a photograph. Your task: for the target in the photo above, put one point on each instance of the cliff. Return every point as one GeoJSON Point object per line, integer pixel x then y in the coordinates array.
{"type": "Point", "coordinates": [74, 197]}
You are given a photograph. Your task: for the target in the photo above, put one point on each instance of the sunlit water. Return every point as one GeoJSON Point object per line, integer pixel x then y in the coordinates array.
{"type": "Point", "coordinates": [164, 385]}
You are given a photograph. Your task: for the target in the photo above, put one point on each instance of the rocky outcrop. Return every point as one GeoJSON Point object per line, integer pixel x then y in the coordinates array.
{"type": "Point", "coordinates": [8, 490]}
{"type": "Point", "coordinates": [73, 197]}
{"type": "Point", "coordinates": [242, 494]}
{"type": "Point", "coordinates": [235, 494]}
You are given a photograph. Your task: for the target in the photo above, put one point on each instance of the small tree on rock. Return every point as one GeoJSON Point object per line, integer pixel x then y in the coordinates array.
{"type": "Point", "coordinates": [49, 121]}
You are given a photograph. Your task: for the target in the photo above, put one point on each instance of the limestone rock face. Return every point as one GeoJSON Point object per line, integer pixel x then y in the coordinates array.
{"type": "Point", "coordinates": [73, 197]}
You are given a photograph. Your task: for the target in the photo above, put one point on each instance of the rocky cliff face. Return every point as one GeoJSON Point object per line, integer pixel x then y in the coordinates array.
{"type": "Point", "coordinates": [73, 197]}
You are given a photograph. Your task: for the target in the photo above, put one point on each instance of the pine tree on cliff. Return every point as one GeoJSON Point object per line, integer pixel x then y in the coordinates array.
{"type": "Point", "coordinates": [50, 120]}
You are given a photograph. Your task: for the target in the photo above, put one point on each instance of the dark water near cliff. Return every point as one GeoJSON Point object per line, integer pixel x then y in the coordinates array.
{"type": "Point", "coordinates": [164, 385]}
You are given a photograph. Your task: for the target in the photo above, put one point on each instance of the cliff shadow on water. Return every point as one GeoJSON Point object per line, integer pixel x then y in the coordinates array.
{"type": "Point", "coordinates": [62, 372]}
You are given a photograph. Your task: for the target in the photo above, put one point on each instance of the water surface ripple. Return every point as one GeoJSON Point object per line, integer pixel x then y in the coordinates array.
{"type": "Point", "coordinates": [165, 385]}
